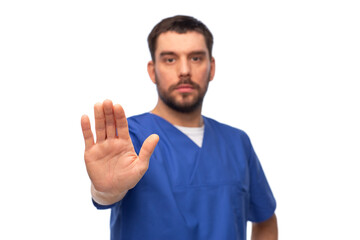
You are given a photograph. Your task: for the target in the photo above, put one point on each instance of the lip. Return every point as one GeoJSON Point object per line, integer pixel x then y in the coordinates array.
{"type": "Point", "coordinates": [184, 88]}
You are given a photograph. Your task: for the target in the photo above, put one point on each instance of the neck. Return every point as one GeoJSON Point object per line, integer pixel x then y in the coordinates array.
{"type": "Point", "coordinates": [192, 119]}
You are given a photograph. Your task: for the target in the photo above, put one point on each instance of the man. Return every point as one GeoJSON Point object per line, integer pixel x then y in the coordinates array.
{"type": "Point", "coordinates": [203, 180]}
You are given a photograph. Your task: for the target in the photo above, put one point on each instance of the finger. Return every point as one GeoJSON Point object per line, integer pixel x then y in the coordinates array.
{"type": "Point", "coordinates": [87, 133]}
{"type": "Point", "coordinates": [99, 122]}
{"type": "Point", "coordinates": [147, 149]}
{"type": "Point", "coordinates": [121, 122]}
{"type": "Point", "coordinates": [109, 119]}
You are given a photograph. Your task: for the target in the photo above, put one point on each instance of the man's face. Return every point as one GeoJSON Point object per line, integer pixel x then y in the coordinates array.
{"type": "Point", "coordinates": [182, 70]}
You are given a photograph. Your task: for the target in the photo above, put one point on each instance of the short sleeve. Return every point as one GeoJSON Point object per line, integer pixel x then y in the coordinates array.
{"type": "Point", "coordinates": [262, 201]}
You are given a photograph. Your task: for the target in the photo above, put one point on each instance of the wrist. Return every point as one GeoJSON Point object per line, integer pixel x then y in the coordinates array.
{"type": "Point", "coordinates": [104, 198]}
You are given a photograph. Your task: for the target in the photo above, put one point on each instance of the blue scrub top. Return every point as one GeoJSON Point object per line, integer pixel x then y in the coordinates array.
{"type": "Point", "coordinates": [190, 192]}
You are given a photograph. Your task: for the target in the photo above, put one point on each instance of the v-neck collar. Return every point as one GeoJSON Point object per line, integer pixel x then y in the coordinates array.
{"type": "Point", "coordinates": [174, 129]}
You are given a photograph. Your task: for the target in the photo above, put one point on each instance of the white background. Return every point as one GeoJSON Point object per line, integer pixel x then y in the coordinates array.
{"type": "Point", "coordinates": [287, 73]}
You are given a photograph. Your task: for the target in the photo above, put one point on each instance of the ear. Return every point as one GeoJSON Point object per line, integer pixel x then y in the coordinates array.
{"type": "Point", "coordinates": [212, 68]}
{"type": "Point", "coordinates": [151, 71]}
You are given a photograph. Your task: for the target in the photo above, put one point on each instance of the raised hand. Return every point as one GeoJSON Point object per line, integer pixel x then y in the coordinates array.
{"type": "Point", "coordinates": [112, 163]}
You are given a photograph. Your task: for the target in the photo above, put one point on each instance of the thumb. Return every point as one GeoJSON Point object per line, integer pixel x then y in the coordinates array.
{"type": "Point", "coordinates": [148, 148]}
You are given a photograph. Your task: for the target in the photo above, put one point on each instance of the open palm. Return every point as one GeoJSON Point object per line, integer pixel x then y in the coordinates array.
{"type": "Point", "coordinates": [112, 163]}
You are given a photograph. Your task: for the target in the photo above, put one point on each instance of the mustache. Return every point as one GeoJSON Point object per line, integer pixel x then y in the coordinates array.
{"type": "Point", "coordinates": [184, 80]}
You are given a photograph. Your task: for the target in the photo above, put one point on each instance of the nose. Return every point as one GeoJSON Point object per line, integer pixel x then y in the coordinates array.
{"type": "Point", "coordinates": [184, 67]}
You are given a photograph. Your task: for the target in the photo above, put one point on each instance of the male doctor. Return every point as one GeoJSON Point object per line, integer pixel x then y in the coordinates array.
{"type": "Point", "coordinates": [172, 173]}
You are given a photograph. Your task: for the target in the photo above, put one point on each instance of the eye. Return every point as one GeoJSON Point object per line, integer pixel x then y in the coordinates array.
{"type": "Point", "coordinates": [196, 59]}
{"type": "Point", "coordinates": [170, 60]}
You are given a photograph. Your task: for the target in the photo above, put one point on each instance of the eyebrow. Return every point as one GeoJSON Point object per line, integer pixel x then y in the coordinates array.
{"type": "Point", "coordinates": [198, 53]}
{"type": "Point", "coordinates": [166, 53]}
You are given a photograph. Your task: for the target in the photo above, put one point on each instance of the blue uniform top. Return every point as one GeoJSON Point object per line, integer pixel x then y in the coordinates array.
{"type": "Point", "coordinates": [190, 192]}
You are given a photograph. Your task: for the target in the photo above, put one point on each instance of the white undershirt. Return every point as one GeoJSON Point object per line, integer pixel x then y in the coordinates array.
{"type": "Point", "coordinates": [196, 134]}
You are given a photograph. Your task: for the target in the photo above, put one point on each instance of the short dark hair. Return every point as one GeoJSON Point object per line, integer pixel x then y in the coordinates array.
{"type": "Point", "coordinates": [179, 24]}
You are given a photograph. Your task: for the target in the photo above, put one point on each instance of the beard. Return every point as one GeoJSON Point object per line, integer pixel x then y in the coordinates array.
{"type": "Point", "coordinates": [188, 102]}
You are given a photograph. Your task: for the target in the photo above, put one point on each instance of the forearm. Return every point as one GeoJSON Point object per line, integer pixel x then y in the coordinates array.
{"type": "Point", "coordinates": [267, 230]}
{"type": "Point", "coordinates": [105, 198]}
